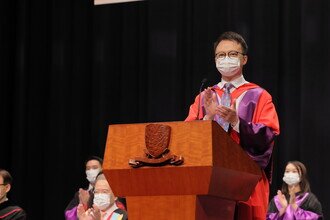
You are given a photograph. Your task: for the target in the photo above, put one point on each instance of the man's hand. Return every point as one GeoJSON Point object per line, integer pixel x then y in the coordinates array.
{"type": "Point", "coordinates": [82, 214]}
{"type": "Point", "coordinates": [210, 103]}
{"type": "Point", "coordinates": [91, 213]}
{"type": "Point", "coordinates": [228, 114]}
{"type": "Point", "coordinates": [83, 196]}
{"type": "Point", "coordinates": [97, 213]}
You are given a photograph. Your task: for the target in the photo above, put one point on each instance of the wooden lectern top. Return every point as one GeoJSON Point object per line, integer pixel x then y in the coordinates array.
{"type": "Point", "coordinates": [213, 163]}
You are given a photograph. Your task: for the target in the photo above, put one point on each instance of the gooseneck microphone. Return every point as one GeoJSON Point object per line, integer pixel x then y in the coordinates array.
{"type": "Point", "coordinates": [200, 97]}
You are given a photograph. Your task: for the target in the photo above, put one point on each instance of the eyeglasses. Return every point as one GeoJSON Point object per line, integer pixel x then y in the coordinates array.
{"type": "Point", "coordinates": [230, 54]}
{"type": "Point", "coordinates": [3, 184]}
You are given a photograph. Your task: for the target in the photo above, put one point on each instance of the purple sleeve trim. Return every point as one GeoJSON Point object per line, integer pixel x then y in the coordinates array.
{"type": "Point", "coordinates": [256, 139]}
{"type": "Point", "coordinates": [273, 216]}
{"type": "Point", "coordinates": [257, 135]}
{"type": "Point", "coordinates": [71, 214]}
{"type": "Point", "coordinates": [303, 214]}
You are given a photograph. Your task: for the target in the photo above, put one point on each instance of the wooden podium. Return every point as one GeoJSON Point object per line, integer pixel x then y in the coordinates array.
{"type": "Point", "coordinates": [216, 173]}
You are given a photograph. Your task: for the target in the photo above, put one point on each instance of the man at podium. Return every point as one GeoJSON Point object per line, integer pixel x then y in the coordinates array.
{"type": "Point", "coordinates": [246, 112]}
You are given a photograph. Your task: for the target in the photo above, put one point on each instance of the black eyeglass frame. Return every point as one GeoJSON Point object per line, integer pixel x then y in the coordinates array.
{"type": "Point", "coordinates": [228, 54]}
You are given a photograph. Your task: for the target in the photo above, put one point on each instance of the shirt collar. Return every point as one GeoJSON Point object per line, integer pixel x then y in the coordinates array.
{"type": "Point", "coordinates": [236, 82]}
{"type": "Point", "coordinates": [110, 210]}
{"type": "Point", "coordinates": [90, 187]}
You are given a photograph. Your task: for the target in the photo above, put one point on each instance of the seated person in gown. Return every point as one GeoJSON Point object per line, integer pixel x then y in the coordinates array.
{"type": "Point", "coordinates": [8, 210]}
{"type": "Point", "coordinates": [295, 200]}
{"type": "Point", "coordinates": [105, 204]}
{"type": "Point", "coordinates": [93, 166]}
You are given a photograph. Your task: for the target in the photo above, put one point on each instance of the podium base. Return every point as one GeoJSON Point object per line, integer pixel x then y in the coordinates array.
{"type": "Point", "coordinates": [186, 207]}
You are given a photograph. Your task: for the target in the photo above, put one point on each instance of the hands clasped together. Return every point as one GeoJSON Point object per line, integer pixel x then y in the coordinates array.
{"type": "Point", "coordinates": [212, 108]}
{"type": "Point", "coordinates": [83, 196]}
{"type": "Point", "coordinates": [284, 203]}
{"type": "Point", "coordinates": [90, 214]}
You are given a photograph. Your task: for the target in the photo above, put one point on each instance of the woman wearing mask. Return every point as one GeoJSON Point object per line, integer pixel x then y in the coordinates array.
{"type": "Point", "coordinates": [105, 206]}
{"type": "Point", "coordinates": [295, 200]}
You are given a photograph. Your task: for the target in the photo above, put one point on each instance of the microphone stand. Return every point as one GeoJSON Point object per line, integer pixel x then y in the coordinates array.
{"type": "Point", "coordinates": [200, 97]}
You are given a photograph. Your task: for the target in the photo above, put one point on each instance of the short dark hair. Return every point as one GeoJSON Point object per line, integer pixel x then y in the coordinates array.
{"type": "Point", "coordinates": [99, 159]}
{"type": "Point", "coordinates": [304, 183]}
{"type": "Point", "coordinates": [7, 179]}
{"type": "Point", "coordinates": [232, 36]}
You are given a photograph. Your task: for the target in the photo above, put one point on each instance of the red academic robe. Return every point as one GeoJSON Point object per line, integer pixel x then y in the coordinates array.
{"type": "Point", "coordinates": [258, 127]}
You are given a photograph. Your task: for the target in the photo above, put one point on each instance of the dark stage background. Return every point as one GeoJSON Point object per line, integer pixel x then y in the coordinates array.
{"type": "Point", "coordinates": [69, 69]}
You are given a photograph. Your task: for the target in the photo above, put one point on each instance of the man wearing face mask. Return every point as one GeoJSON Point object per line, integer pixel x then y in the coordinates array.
{"type": "Point", "coordinates": [93, 166]}
{"type": "Point", "coordinates": [7, 209]}
{"type": "Point", "coordinates": [295, 201]}
{"type": "Point", "coordinates": [105, 206]}
{"type": "Point", "coordinates": [246, 112]}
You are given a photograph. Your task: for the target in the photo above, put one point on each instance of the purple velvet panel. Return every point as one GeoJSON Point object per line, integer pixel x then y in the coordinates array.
{"type": "Point", "coordinates": [71, 214]}
{"type": "Point", "coordinates": [256, 139]}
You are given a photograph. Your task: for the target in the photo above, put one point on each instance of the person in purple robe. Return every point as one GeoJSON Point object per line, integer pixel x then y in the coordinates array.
{"type": "Point", "coordinates": [295, 201]}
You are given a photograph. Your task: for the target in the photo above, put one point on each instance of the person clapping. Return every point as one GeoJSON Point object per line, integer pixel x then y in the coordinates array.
{"type": "Point", "coordinates": [295, 200]}
{"type": "Point", "coordinates": [105, 204]}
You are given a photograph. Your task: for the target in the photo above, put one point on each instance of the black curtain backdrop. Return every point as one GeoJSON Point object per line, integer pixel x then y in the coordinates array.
{"type": "Point", "coordinates": [69, 69]}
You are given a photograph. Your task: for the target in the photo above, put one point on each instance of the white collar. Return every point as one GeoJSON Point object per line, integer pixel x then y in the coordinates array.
{"type": "Point", "coordinates": [236, 82]}
{"type": "Point", "coordinates": [90, 187]}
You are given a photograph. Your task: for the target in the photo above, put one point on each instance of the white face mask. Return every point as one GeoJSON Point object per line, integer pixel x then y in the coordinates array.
{"type": "Point", "coordinates": [291, 178]}
{"type": "Point", "coordinates": [228, 66]}
{"type": "Point", "coordinates": [91, 174]}
{"type": "Point", "coordinates": [102, 200]}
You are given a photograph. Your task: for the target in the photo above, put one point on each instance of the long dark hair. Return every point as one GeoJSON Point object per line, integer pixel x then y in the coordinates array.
{"type": "Point", "coordinates": [304, 183]}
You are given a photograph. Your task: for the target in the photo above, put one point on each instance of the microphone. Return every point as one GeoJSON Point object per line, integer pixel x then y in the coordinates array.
{"type": "Point", "coordinates": [200, 97]}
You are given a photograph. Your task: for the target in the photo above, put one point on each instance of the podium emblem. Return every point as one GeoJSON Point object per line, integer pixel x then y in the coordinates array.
{"type": "Point", "coordinates": [157, 139]}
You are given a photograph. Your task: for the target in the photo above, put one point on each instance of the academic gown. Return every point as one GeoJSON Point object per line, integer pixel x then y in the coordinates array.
{"type": "Point", "coordinates": [309, 208]}
{"type": "Point", "coordinates": [258, 126]}
{"type": "Point", "coordinates": [8, 211]}
{"type": "Point", "coordinates": [70, 212]}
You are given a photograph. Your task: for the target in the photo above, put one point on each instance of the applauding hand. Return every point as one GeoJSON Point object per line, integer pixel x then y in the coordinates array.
{"type": "Point", "coordinates": [283, 201]}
